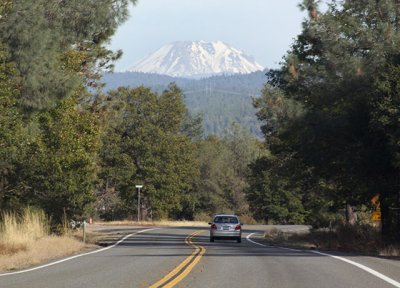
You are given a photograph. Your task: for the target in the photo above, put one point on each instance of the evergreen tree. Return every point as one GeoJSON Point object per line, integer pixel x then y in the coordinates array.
{"type": "Point", "coordinates": [278, 182]}
{"type": "Point", "coordinates": [223, 170]}
{"type": "Point", "coordinates": [11, 130]}
{"type": "Point", "coordinates": [332, 72]}
{"type": "Point", "coordinates": [54, 43]}
{"type": "Point", "coordinates": [212, 187]}
{"type": "Point", "coordinates": [59, 170]}
{"type": "Point", "coordinates": [153, 150]}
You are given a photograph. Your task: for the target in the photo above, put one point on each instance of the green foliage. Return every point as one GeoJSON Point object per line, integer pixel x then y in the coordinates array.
{"type": "Point", "coordinates": [341, 75]}
{"type": "Point", "coordinates": [55, 45]}
{"type": "Point", "coordinates": [386, 112]}
{"type": "Point", "coordinates": [277, 182]}
{"type": "Point", "coordinates": [212, 187]}
{"type": "Point", "coordinates": [60, 165]}
{"type": "Point", "coordinates": [192, 126]}
{"type": "Point", "coordinates": [49, 141]}
{"type": "Point", "coordinates": [223, 170]}
{"type": "Point", "coordinates": [274, 195]}
{"type": "Point", "coordinates": [150, 150]}
{"type": "Point", "coordinates": [11, 129]}
{"type": "Point", "coordinates": [221, 100]}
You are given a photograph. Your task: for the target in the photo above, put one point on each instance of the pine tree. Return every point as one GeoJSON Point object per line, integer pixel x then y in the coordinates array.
{"type": "Point", "coordinates": [332, 71]}
{"type": "Point", "coordinates": [58, 44]}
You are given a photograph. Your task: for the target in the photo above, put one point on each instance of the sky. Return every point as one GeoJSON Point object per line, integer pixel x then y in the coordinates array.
{"type": "Point", "coordinates": [264, 29]}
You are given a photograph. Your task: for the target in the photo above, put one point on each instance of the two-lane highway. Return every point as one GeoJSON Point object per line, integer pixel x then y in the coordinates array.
{"type": "Point", "coordinates": [184, 257]}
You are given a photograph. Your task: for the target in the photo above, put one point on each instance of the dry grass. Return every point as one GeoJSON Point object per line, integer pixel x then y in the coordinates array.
{"type": "Point", "coordinates": [155, 223]}
{"type": "Point", "coordinates": [10, 249]}
{"type": "Point", "coordinates": [390, 250]}
{"type": "Point", "coordinates": [25, 241]}
{"type": "Point", "coordinates": [46, 248]}
{"type": "Point", "coordinates": [362, 238]}
{"type": "Point", "coordinates": [22, 231]}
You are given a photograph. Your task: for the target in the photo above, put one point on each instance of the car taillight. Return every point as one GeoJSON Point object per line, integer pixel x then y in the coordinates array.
{"type": "Point", "coordinates": [213, 226]}
{"type": "Point", "coordinates": [238, 227]}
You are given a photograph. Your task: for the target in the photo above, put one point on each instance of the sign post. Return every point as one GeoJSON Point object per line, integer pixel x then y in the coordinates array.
{"type": "Point", "coordinates": [84, 231]}
{"type": "Point", "coordinates": [376, 213]}
{"type": "Point", "coordinates": [138, 203]}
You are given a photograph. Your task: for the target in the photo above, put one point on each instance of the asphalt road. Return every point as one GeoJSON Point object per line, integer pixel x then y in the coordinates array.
{"type": "Point", "coordinates": [151, 257]}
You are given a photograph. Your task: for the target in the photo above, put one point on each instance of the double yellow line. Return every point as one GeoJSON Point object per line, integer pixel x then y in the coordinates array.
{"type": "Point", "coordinates": [183, 269]}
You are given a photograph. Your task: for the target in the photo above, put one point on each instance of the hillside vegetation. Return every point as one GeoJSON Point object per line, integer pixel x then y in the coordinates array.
{"type": "Point", "coordinates": [221, 100]}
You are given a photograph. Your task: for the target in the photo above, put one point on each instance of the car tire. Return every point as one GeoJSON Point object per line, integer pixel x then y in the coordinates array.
{"type": "Point", "coordinates": [239, 240]}
{"type": "Point", "coordinates": [211, 239]}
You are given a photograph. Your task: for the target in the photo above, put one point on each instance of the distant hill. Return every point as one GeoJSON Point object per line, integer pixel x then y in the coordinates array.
{"type": "Point", "coordinates": [196, 59]}
{"type": "Point", "coordinates": [222, 100]}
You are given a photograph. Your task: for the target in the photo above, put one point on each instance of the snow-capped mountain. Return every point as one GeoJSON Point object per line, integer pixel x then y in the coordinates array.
{"type": "Point", "coordinates": [197, 59]}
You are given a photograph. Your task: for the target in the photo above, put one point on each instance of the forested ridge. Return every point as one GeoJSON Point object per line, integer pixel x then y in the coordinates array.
{"type": "Point", "coordinates": [329, 121]}
{"type": "Point", "coordinates": [221, 99]}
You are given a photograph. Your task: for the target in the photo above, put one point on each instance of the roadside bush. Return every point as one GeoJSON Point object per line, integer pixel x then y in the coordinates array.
{"type": "Point", "coordinates": [247, 219]}
{"type": "Point", "coordinates": [357, 238]}
{"type": "Point", "coordinates": [325, 219]}
{"type": "Point", "coordinates": [390, 250]}
{"type": "Point", "coordinates": [276, 235]}
{"type": "Point", "coordinates": [360, 237]}
{"type": "Point", "coordinates": [202, 217]}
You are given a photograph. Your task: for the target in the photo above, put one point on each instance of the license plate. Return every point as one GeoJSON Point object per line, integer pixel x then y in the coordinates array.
{"type": "Point", "coordinates": [225, 228]}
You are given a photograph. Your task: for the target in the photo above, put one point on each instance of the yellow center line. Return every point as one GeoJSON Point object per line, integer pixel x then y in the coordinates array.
{"type": "Point", "coordinates": [193, 259]}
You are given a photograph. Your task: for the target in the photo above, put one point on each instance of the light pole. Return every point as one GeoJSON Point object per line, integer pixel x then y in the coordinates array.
{"type": "Point", "coordinates": [138, 202]}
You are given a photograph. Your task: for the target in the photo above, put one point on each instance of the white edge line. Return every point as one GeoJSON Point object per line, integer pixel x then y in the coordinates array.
{"type": "Point", "coordinates": [254, 242]}
{"type": "Point", "coordinates": [363, 267]}
{"type": "Point", "coordinates": [77, 256]}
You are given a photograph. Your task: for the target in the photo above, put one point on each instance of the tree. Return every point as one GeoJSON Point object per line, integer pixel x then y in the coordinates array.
{"type": "Point", "coordinates": [212, 193]}
{"type": "Point", "coordinates": [244, 149]}
{"type": "Point", "coordinates": [148, 139]}
{"type": "Point", "coordinates": [60, 166]}
{"type": "Point", "coordinates": [274, 196]}
{"type": "Point", "coordinates": [11, 129]}
{"type": "Point", "coordinates": [385, 125]}
{"type": "Point", "coordinates": [57, 44]}
{"type": "Point", "coordinates": [332, 71]}
{"type": "Point", "coordinates": [51, 51]}
{"type": "Point", "coordinates": [278, 181]}
{"type": "Point", "coordinates": [223, 170]}
{"type": "Point", "coordinates": [192, 127]}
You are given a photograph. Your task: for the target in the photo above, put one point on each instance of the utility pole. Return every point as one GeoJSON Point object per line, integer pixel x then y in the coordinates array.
{"type": "Point", "coordinates": [138, 202]}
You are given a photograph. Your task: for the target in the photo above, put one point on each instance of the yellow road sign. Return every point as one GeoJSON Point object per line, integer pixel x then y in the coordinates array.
{"type": "Point", "coordinates": [375, 202]}
{"type": "Point", "coordinates": [376, 216]}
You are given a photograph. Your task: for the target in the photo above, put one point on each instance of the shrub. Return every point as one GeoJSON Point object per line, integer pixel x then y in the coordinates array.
{"type": "Point", "coordinates": [202, 217]}
{"type": "Point", "coordinates": [247, 219]}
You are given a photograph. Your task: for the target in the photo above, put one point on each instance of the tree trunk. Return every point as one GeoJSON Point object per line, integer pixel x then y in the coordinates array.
{"type": "Point", "coordinates": [351, 216]}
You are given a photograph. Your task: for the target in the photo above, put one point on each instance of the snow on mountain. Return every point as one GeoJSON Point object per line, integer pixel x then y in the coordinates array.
{"type": "Point", "coordinates": [197, 59]}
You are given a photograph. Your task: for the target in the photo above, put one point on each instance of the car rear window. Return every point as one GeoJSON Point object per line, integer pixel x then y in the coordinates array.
{"type": "Point", "coordinates": [226, 219]}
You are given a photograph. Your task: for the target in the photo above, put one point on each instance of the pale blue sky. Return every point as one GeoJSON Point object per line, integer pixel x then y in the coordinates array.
{"type": "Point", "coordinates": [264, 29]}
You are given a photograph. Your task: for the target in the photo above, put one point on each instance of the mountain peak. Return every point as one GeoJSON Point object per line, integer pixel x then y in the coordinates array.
{"type": "Point", "coordinates": [197, 59]}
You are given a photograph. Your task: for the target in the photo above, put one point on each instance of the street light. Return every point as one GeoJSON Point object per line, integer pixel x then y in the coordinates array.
{"type": "Point", "coordinates": [138, 202]}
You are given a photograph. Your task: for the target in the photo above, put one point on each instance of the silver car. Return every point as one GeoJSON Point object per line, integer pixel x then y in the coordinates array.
{"type": "Point", "coordinates": [226, 227]}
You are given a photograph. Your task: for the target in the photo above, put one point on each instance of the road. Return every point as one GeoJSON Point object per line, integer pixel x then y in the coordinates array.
{"type": "Point", "coordinates": [184, 257]}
